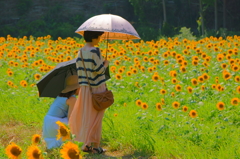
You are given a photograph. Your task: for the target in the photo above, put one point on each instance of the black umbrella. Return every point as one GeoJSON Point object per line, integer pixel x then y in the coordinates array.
{"type": "Point", "coordinates": [54, 81]}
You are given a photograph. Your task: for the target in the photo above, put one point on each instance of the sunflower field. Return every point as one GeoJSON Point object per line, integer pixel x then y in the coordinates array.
{"type": "Point", "coordinates": [173, 98]}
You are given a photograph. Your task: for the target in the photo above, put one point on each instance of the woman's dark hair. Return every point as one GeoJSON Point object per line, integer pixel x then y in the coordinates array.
{"type": "Point", "coordinates": [68, 94]}
{"type": "Point", "coordinates": [89, 35]}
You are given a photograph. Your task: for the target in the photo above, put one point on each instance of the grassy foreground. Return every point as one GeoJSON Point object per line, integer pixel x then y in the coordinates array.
{"type": "Point", "coordinates": [173, 98]}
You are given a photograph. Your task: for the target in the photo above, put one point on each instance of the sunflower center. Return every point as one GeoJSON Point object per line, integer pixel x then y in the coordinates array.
{"type": "Point", "coordinates": [15, 151]}
{"type": "Point", "coordinates": [235, 101]}
{"type": "Point", "coordinates": [36, 154]}
{"type": "Point", "coordinates": [73, 154]}
{"type": "Point", "coordinates": [37, 139]}
{"type": "Point", "coordinates": [221, 106]}
{"type": "Point", "coordinates": [63, 131]}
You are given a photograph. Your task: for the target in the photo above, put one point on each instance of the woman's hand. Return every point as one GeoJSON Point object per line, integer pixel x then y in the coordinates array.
{"type": "Point", "coordinates": [106, 63]}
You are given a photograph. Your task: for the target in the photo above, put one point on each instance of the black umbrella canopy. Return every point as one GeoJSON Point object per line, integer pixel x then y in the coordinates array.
{"type": "Point", "coordinates": [54, 81]}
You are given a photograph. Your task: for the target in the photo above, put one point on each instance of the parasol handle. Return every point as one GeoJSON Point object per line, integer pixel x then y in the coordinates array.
{"type": "Point", "coordinates": [107, 46]}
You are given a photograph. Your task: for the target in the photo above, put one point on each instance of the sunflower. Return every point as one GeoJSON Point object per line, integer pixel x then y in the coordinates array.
{"type": "Point", "coordinates": [150, 69]}
{"type": "Point", "coordinates": [201, 79]}
{"type": "Point", "coordinates": [194, 62]}
{"type": "Point", "coordinates": [193, 113]}
{"type": "Point", "coordinates": [185, 51]}
{"type": "Point", "coordinates": [34, 152]}
{"type": "Point", "coordinates": [124, 104]}
{"type": "Point", "coordinates": [10, 73]}
{"type": "Point", "coordinates": [194, 81]}
{"type": "Point", "coordinates": [226, 75]}
{"type": "Point", "coordinates": [156, 62]}
{"type": "Point", "coordinates": [113, 69]}
{"type": "Point", "coordinates": [151, 59]}
{"type": "Point", "coordinates": [134, 71]}
{"type": "Point", "coordinates": [218, 87]}
{"type": "Point", "coordinates": [175, 105]}
{"type": "Point", "coordinates": [174, 80]}
{"type": "Point", "coordinates": [202, 88]}
{"type": "Point", "coordinates": [185, 108]}
{"type": "Point", "coordinates": [230, 51]}
{"type": "Point", "coordinates": [163, 91]}
{"type": "Point", "coordinates": [23, 83]}
{"type": "Point", "coordinates": [189, 89]}
{"type": "Point", "coordinates": [173, 73]}
{"type": "Point", "coordinates": [137, 84]}
{"type": "Point", "coordinates": [162, 101]}
{"type": "Point", "coordinates": [158, 106]}
{"type": "Point", "coordinates": [234, 67]}
{"type": "Point", "coordinates": [205, 76]}
{"type": "Point", "coordinates": [129, 73]}
{"type": "Point", "coordinates": [178, 88]}
{"type": "Point", "coordinates": [115, 114]}
{"type": "Point", "coordinates": [36, 139]}
{"type": "Point", "coordinates": [37, 76]}
{"type": "Point", "coordinates": [179, 61]}
{"type": "Point", "coordinates": [117, 63]}
{"type": "Point", "coordinates": [10, 83]}
{"type": "Point", "coordinates": [228, 56]}
{"type": "Point", "coordinates": [70, 151]}
{"type": "Point", "coordinates": [120, 70]}
{"type": "Point", "coordinates": [235, 101]}
{"type": "Point", "coordinates": [237, 79]}
{"type": "Point", "coordinates": [138, 102]}
{"type": "Point", "coordinates": [118, 76]}
{"type": "Point", "coordinates": [220, 57]}
{"type": "Point", "coordinates": [172, 94]}
{"type": "Point", "coordinates": [144, 106]}
{"type": "Point", "coordinates": [165, 55]}
{"type": "Point", "coordinates": [63, 131]}
{"type": "Point", "coordinates": [185, 63]}
{"type": "Point", "coordinates": [231, 61]}
{"type": "Point", "coordinates": [165, 62]}
{"type": "Point", "coordinates": [220, 105]}
{"type": "Point", "coordinates": [145, 59]}
{"type": "Point", "coordinates": [183, 69]}
{"type": "Point", "coordinates": [238, 89]}
{"type": "Point", "coordinates": [13, 151]}
{"type": "Point", "coordinates": [155, 77]}
{"type": "Point", "coordinates": [16, 64]}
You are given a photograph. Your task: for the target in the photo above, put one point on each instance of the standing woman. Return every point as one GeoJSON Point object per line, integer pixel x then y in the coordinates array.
{"type": "Point", "coordinates": [86, 122]}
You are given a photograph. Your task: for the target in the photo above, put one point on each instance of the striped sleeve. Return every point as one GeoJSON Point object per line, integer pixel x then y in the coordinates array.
{"type": "Point", "coordinates": [99, 67]}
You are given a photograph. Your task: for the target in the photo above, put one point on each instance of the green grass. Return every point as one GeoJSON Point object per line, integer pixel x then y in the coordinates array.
{"type": "Point", "coordinates": [129, 130]}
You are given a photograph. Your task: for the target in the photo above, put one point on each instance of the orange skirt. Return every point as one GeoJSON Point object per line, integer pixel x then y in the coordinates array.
{"type": "Point", "coordinates": [86, 122]}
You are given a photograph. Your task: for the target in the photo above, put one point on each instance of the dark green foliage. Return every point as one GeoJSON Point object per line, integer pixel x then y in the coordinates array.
{"type": "Point", "coordinates": [23, 6]}
{"type": "Point", "coordinates": [147, 17]}
{"type": "Point", "coordinates": [147, 33]}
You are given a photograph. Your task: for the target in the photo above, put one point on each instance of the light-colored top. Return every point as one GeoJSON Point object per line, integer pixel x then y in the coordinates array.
{"type": "Point", "coordinates": [59, 108]}
{"type": "Point", "coordinates": [94, 65]}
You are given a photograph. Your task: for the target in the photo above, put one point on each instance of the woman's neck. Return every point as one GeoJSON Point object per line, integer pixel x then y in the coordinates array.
{"type": "Point", "coordinates": [89, 44]}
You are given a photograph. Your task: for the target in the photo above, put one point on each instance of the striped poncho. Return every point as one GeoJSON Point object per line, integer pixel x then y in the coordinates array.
{"type": "Point", "coordinates": [94, 65]}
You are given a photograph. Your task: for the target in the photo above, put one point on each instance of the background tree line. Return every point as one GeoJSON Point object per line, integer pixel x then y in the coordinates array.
{"type": "Point", "coordinates": [151, 18]}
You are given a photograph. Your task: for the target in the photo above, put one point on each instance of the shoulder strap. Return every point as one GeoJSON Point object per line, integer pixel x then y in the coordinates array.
{"type": "Point", "coordinates": [85, 70]}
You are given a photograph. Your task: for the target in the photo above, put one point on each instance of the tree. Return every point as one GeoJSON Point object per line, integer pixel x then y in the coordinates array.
{"type": "Point", "coordinates": [201, 16]}
{"type": "Point", "coordinates": [164, 12]}
{"type": "Point", "coordinates": [224, 13]}
{"type": "Point", "coordinates": [216, 15]}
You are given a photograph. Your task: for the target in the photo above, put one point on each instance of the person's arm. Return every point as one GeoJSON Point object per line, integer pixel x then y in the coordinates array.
{"type": "Point", "coordinates": [71, 102]}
